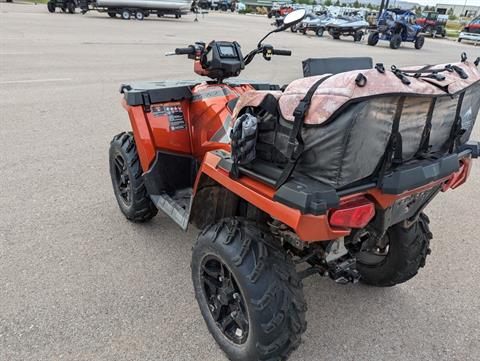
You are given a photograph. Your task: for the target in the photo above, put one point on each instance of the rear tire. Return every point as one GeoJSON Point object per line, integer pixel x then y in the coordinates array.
{"type": "Point", "coordinates": [419, 41]}
{"type": "Point", "coordinates": [319, 32]}
{"type": "Point", "coordinates": [127, 180]}
{"type": "Point", "coordinates": [51, 6]}
{"type": "Point", "coordinates": [358, 36]}
{"type": "Point", "coordinates": [139, 15]}
{"type": "Point", "coordinates": [408, 249]}
{"type": "Point", "coordinates": [373, 38]}
{"type": "Point", "coordinates": [71, 7]}
{"type": "Point", "coordinates": [112, 14]}
{"type": "Point", "coordinates": [267, 287]}
{"type": "Point", "coordinates": [395, 41]}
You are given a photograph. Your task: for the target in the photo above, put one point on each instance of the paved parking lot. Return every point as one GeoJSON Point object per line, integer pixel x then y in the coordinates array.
{"type": "Point", "coordinates": [79, 282]}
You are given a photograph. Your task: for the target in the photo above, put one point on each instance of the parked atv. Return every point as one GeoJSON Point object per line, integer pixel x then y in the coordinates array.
{"type": "Point", "coordinates": [433, 23]}
{"type": "Point", "coordinates": [397, 26]}
{"type": "Point", "coordinates": [64, 5]}
{"type": "Point", "coordinates": [274, 179]}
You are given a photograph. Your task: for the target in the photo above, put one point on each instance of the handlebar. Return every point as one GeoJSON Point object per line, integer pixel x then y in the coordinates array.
{"type": "Point", "coordinates": [185, 51]}
{"type": "Point", "coordinates": [282, 52]}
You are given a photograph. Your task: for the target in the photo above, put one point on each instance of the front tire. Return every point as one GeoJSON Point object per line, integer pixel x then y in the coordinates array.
{"type": "Point", "coordinates": [248, 291]}
{"type": "Point", "coordinates": [395, 41]}
{"type": "Point", "coordinates": [419, 41]}
{"type": "Point", "coordinates": [127, 180]}
{"type": "Point", "coordinates": [319, 32]}
{"type": "Point", "coordinates": [407, 250]}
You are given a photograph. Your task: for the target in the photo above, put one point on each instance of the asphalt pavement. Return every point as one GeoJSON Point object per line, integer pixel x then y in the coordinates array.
{"type": "Point", "coordinates": [79, 282]}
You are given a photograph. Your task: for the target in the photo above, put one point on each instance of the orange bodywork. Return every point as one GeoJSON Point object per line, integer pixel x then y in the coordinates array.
{"type": "Point", "coordinates": [207, 123]}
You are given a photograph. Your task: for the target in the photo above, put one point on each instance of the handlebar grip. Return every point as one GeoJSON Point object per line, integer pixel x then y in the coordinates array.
{"type": "Point", "coordinates": [185, 51]}
{"type": "Point", "coordinates": [282, 52]}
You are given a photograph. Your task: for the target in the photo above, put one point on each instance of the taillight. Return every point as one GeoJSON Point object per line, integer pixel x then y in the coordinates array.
{"type": "Point", "coordinates": [356, 213]}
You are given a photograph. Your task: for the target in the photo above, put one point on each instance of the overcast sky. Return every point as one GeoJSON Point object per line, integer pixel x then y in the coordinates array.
{"type": "Point", "coordinates": [435, 2]}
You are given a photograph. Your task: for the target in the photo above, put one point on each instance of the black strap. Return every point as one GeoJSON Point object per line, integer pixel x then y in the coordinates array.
{"type": "Point", "coordinates": [425, 141]}
{"type": "Point", "coordinates": [456, 131]}
{"type": "Point", "coordinates": [394, 152]}
{"type": "Point", "coordinates": [295, 141]}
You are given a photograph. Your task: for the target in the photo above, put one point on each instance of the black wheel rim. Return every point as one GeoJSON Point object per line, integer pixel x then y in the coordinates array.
{"type": "Point", "coordinates": [122, 180]}
{"type": "Point", "coordinates": [373, 254]}
{"type": "Point", "coordinates": [225, 301]}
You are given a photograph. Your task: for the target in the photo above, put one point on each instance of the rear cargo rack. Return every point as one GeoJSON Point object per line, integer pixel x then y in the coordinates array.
{"type": "Point", "coordinates": [314, 197]}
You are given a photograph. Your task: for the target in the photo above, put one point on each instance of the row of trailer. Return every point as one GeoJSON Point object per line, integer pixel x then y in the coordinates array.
{"type": "Point", "coordinates": [126, 9]}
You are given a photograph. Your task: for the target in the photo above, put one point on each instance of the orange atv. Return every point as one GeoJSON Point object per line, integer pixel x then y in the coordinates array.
{"type": "Point", "coordinates": [330, 173]}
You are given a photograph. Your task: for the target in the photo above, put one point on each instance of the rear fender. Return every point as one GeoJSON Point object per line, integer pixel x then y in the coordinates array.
{"type": "Point", "coordinates": [308, 227]}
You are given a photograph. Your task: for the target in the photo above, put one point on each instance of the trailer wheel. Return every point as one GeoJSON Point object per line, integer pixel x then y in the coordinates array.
{"type": "Point", "coordinates": [64, 9]}
{"type": "Point", "coordinates": [319, 32]}
{"type": "Point", "coordinates": [51, 6]}
{"type": "Point", "coordinates": [112, 14]}
{"type": "Point", "coordinates": [139, 15]}
{"type": "Point", "coordinates": [126, 14]}
{"type": "Point", "coordinates": [71, 7]}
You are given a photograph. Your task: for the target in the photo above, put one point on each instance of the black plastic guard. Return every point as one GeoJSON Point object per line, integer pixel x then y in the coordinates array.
{"type": "Point", "coordinates": [473, 146]}
{"type": "Point", "coordinates": [307, 195]}
{"type": "Point", "coordinates": [411, 176]}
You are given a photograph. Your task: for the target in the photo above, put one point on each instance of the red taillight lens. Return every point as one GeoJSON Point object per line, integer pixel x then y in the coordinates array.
{"type": "Point", "coordinates": [353, 214]}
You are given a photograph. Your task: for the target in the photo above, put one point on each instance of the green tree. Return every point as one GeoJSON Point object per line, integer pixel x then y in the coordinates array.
{"type": "Point", "coordinates": [356, 4]}
{"type": "Point", "coordinates": [337, 3]}
{"type": "Point", "coordinates": [327, 3]}
{"type": "Point", "coordinates": [369, 6]}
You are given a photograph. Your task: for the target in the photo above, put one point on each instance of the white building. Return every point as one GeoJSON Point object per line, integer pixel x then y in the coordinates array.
{"type": "Point", "coordinates": [459, 10]}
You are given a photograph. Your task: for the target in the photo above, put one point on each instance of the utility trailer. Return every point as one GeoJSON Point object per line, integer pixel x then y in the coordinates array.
{"type": "Point", "coordinates": [137, 8]}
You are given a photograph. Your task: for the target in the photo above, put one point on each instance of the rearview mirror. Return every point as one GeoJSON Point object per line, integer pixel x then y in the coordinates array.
{"type": "Point", "coordinates": [294, 17]}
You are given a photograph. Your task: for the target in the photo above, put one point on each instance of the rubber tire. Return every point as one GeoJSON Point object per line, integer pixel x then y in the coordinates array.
{"type": "Point", "coordinates": [293, 29]}
{"type": "Point", "coordinates": [395, 41]}
{"type": "Point", "coordinates": [139, 15]}
{"type": "Point", "coordinates": [319, 32]}
{"type": "Point", "coordinates": [142, 208]}
{"type": "Point", "coordinates": [408, 251]}
{"type": "Point", "coordinates": [373, 38]}
{"type": "Point", "coordinates": [64, 9]}
{"type": "Point", "coordinates": [459, 40]}
{"type": "Point", "coordinates": [112, 14]}
{"type": "Point", "coordinates": [269, 285]}
{"type": "Point", "coordinates": [125, 14]}
{"type": "Point", "coordinates": [357, 37]}
{"type": "Point", "coordinates": [71, 7]}
{"type": "Point", "coordinates": [335, 35]}
{"type": "Point", "coordinates": [51, 7]}
{"type": "Point", "coordinates": [419, 41]}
